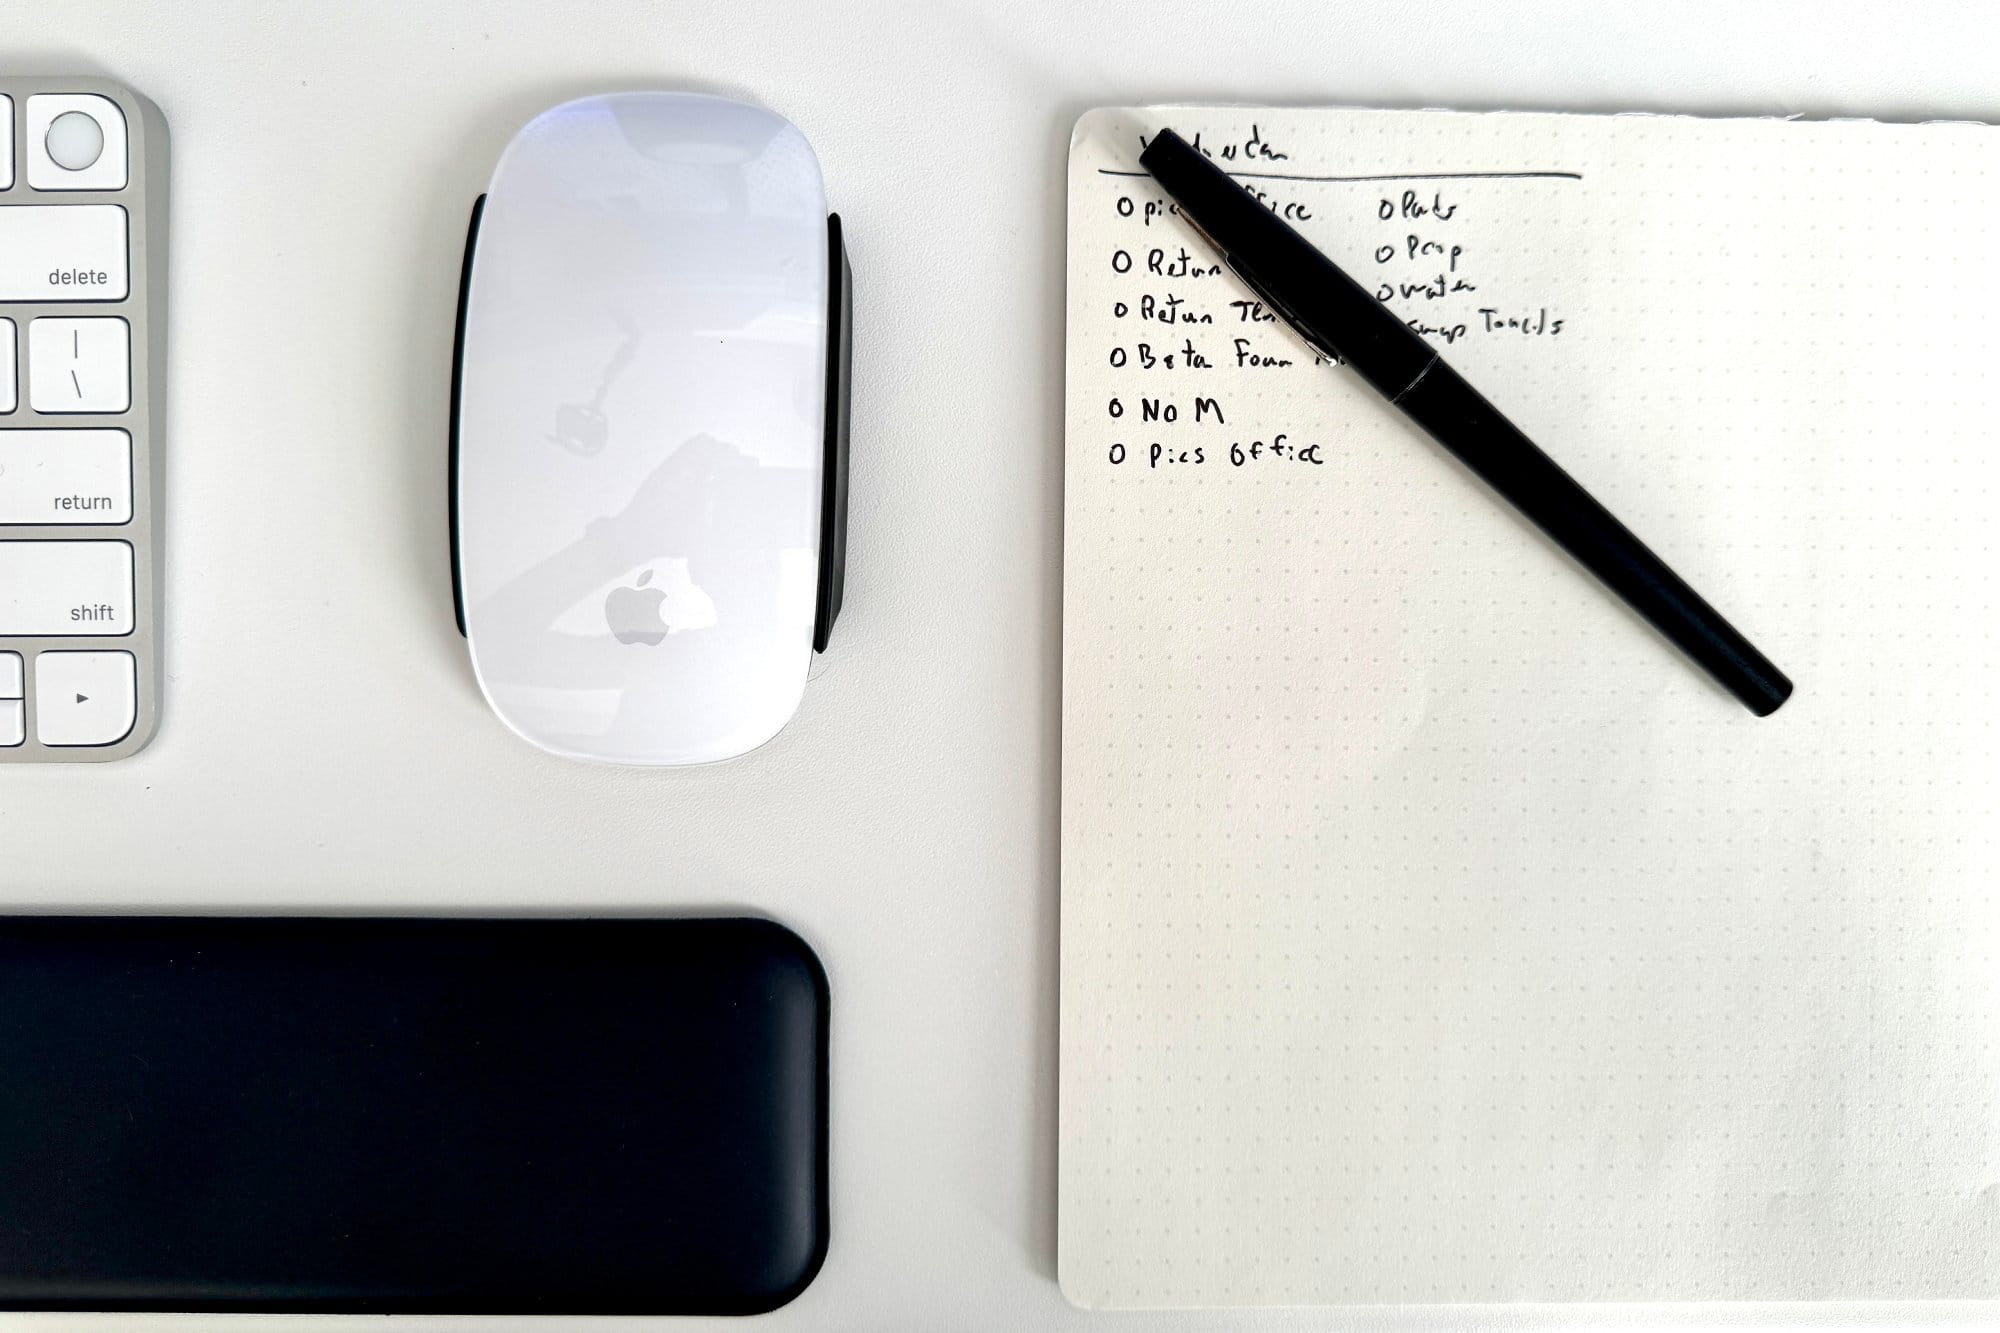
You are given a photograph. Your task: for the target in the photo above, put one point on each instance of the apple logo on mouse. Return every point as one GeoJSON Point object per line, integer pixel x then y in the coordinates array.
{"type": "Point", "coordinates": [634, 613]}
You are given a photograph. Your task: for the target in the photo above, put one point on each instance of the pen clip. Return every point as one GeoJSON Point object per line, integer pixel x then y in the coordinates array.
{"type": "Point", "coordinates": [1283, 311]}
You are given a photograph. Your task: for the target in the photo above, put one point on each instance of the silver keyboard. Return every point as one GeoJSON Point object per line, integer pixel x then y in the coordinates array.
{"type": "Point", "coordinates": [83, 233]}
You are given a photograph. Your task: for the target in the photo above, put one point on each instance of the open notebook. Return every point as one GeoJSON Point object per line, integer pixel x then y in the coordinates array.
{"type": "Point", "coordinates": [1431, 931]}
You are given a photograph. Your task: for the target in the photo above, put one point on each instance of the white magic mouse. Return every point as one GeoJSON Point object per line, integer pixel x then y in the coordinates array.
{"type": "Point", "coordinates": [649, 428]}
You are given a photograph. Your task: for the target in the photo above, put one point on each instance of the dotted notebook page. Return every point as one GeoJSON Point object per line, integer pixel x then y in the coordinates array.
{"type": "Point", "coordinates": [1432, 931]}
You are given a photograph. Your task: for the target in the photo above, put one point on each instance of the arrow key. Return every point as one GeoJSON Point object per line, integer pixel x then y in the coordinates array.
{"type": "Point", "coordinates": [85, 698]}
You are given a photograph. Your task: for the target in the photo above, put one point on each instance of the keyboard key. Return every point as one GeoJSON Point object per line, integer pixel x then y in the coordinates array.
{"type": "Point", "coordinates": [10, 676]}
{"type": "Point", "coordinates": [60, 128]}
{"type": "Point", "coordinates": [85, 698]}
{"type": "Point", "coordinates": [65, 588]}
{"type": "Point", "coordinates": [79, 365]}
{"type": "Point", "coordinates": [6, 365]}
{"type": "Point", "coordinates": [53, 477]}
{"type": "Point", "coordinates": [6, 142]}
{"type": "Point", "coordinates": [13, 722]}
{"type": "Point", "coordinates": [62, 252]}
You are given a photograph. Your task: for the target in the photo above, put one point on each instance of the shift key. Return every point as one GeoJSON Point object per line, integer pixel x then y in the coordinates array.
{"type": "Point", "coordinates": [62, 252]}
{"type": "Point", "coordinates": [65, 589]}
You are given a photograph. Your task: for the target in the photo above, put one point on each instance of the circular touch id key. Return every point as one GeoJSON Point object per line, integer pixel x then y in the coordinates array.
{"type": "Point", "coordinates": [75, 140]}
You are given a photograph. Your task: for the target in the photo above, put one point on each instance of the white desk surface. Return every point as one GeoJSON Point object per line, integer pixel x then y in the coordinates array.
{"type": "Point", "coordinates": [323, 745]}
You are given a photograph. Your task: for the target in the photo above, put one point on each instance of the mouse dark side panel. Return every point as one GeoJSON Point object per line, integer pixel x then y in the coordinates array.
{"type": "Point", "coordinates": [839, 410]}
{"type": "Point", "coordinates": [410, 1115]}
{"type": "Point", "coordinates": [457, 390]}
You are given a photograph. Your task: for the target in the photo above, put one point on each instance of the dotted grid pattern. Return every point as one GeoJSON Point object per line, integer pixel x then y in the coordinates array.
{"type": "Point", "coordinates": [1430, 931]}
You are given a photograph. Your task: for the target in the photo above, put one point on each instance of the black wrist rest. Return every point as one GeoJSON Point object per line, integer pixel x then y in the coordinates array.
{"type": "Point", "coordinates": [421, 1115]}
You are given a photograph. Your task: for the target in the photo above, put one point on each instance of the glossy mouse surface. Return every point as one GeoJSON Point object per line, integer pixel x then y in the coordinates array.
{"type": "Point", "coordinates": [641, 428]}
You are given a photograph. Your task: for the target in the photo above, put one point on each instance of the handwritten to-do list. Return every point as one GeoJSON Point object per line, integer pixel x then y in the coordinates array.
{"type": "Point", "coordinates": [1430, 931]}
{"type": "Point", "coordinates": [1170, 313]}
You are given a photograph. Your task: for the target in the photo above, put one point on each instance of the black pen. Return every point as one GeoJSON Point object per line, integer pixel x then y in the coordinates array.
{"type": "Point", "coordinates": [1343, 322]}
